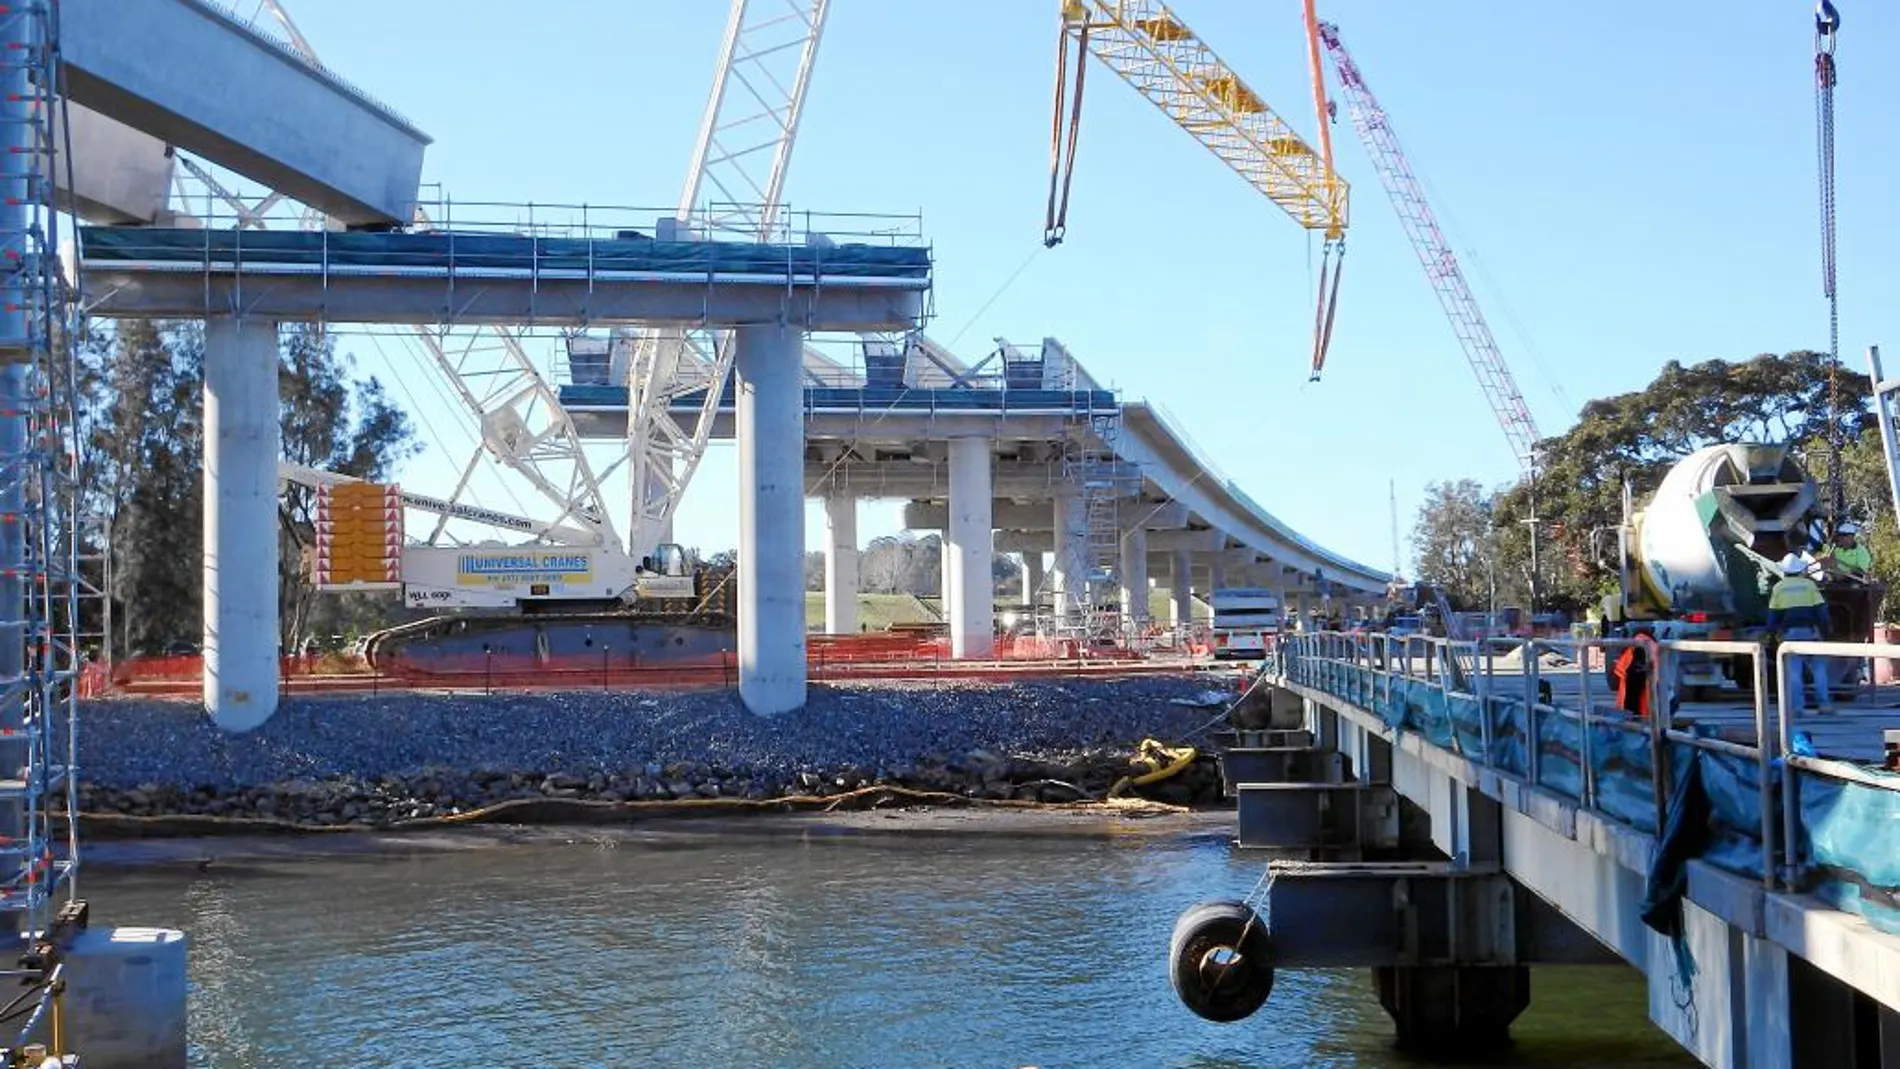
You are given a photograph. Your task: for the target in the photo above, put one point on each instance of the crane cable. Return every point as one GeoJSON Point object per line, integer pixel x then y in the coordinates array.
{"type": "Point", "coordinates": [1335, 244]}
{"type": "Point", "coordinates": [1061, 156]}
{"type": "Point", "coordinates": [1827, 25]}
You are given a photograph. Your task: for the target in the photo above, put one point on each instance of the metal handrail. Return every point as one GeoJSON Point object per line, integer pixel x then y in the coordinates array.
{"type": "Point", "coordinates": [1323, 659]}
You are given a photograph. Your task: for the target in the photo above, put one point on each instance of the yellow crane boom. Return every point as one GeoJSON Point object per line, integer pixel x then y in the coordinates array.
{"type": "Point", "coordinates": [1151, 49]}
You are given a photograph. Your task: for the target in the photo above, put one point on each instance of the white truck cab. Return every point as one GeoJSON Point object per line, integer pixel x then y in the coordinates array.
{"type": "Point", "coordinates": [1244, 618]}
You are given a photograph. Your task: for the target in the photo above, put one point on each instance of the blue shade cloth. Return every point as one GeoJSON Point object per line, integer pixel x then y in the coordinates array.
{"type": "Point", "coordinates": [498, 252]}
{"type": "Point", "coordinates": [1848, 834]}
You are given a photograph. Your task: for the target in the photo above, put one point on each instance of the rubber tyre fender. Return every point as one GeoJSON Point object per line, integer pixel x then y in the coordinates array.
{"type": "Point", "coordinates": [1207, 989]}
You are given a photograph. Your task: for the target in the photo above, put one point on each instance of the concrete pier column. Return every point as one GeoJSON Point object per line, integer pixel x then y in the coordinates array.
{"type": "Point", "coordinates": [972, 545]}
{"type": "Point", "coordinates": [1071, 560]}
{"type": "Point", "coordinates": [1463, 1009]}
{"type": "Point", "coordinates": [1134, 577]}
{"type": "Point", "coordinates": [770, 428]}
{"type": "Point", "coordinates": [1216, 573]}
{"type": "Point", "coordinates": [841, 564]}
{"type": "Point", "coordinates": [1181, 589]}
{"type": "Point", "coordinates": [243, 439]}
{"type": "Point", "coordinates": [1032, 577]}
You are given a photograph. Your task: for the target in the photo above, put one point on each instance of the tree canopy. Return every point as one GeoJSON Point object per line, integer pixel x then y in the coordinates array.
{"type": "Point", "coordinates": [1638, 436]}
{"type": "Point", "coordinates": [141, 387]}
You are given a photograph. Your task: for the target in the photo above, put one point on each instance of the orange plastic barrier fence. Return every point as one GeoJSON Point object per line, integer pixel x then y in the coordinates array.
{"type": "Point", "coordinates": [828, 657]}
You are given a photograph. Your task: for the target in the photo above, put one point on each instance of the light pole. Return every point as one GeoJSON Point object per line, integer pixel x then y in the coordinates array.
{"type": "Point", "coordinates": [1531, 611]}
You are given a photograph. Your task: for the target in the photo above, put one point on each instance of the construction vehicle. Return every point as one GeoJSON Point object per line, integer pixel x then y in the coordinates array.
{"type": "Point", "coordinates": [545, 598]}
{"type": "Point", "coordinates": [1244, 618]}
{"type": "Point", "coordinates": [1699, 559]}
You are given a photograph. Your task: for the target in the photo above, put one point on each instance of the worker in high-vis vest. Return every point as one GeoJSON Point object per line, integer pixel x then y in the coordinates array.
{"type": "Point", "coordinates": [1631, 672]}
{"type": "Point", "coordinates": [1848, 553]}
{"type": "Point", "coordinates": [1797, 613]}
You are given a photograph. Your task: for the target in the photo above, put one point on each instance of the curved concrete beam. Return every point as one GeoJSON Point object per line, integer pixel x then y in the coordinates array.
{"type": "Point", "coordinates": [1170, 463]}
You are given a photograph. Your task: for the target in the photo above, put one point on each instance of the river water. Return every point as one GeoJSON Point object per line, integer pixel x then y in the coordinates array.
{"type": "Point", "coordinates": [772, 950]}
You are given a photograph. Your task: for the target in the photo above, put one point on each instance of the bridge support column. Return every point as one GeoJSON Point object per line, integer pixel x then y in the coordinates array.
{"type": "Point", "coordinates": [1032, 577]}
{"type": "Point", "coordinates": [770, 428]}
{"type": "Point", "coordinates": [841, 564]}
{"type": "Point", "coordinates": [1071, 561]}
{"type": "Point", "coordinates": [242, 435]}
{"type": "Point", "coordinates": [1181, 588]}
{"type": "Point", "coordinates": [971, 544]}
{"type": "Point", "coordinates": [1216, 573]}
{"type": "Point", "coordinates": [1134, 576]}
{"type": "Point", "coordinates": [1462, 1008]}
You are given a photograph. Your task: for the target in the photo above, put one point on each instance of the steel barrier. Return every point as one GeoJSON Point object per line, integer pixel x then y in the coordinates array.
{"type": "Point", "coordinates": [1435, 685]}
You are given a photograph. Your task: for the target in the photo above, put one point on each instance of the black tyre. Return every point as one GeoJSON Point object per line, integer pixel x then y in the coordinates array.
{"type": "Point", "coordinates": [1221, 961]}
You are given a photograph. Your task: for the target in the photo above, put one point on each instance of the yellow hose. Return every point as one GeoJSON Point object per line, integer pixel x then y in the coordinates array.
{"type": "Point", "coordinates": [1161, 761]}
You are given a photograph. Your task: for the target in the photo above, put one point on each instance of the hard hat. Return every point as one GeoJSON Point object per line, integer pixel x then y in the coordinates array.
{"type": "Point", "coordinates": [1848, 528]}
{"type": "Point", "coordinates": [1793, 565]}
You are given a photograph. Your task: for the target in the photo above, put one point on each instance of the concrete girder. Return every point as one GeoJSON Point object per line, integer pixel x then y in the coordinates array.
{"type": "Point", "coordinates": [1169, 464]}
{"type": "Point", "coordinates": [1016, 431]}
{"type": "Point", "coordinates": [1186, 541]}
{"type": "Point", "coordinates": [293, 128]}
{"type": "Point", "coordinates": [1021, 516]}
{"type": "Point", "coordinates": [1013, 479]}
{"type": "Point", "coordinates": [122, 176]}
{"type": "Point", "coordinates": [456, 298]}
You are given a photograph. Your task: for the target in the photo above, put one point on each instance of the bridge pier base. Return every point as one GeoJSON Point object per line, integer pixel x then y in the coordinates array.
{"type": "Point", "coordinates": [1463, 1008]}
{"type": "Point", "coordinates": [841, 564]}
{"type": "Point", "coordinates": [242, 432]}
{"type": "Point", "coordinates": [1181, 588]}
{"type": "Point", "coordinates": [770, 428]}
{"type": "Point", "coordinates": [1071, 574]}
{"type": "Point", "coordinates": [969, 551]}
{"type": "Point", "coordinates": [1032, 578]}
{"type": "Point", "coordinates": [1134, 577]}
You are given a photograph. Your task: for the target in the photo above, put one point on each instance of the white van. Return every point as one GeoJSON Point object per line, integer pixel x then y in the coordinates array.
{"type": "Point", "coordinates": [1243, 619]}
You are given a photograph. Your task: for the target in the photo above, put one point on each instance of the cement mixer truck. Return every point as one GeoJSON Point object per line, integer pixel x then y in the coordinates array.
{"type": "Point", "coordinates": [1699, 558]}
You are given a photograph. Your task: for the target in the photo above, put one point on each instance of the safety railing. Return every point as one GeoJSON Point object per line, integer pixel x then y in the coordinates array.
{"type": "Point", "coordinates": [1496, 703]}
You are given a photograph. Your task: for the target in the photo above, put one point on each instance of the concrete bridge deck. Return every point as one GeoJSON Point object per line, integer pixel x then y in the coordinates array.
{"type": "Point", "coordinates": [1787, 957]}
{"type": "Point", "coordinates": [450, 278]}
{"type": "Point", "coordinates": [886, 431]}
{"type": "Point", "coordinates": [167, 69]}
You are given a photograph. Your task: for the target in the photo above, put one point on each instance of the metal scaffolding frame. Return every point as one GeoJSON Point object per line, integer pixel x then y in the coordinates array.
{"type": "Point", "coordinates": [39, 526]}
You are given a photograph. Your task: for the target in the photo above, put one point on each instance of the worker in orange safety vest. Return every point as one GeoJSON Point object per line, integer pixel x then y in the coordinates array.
{"type": "Point", "coordinates": [1632, 670]}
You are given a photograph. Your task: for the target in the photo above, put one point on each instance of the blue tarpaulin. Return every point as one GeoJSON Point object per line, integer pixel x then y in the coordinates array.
{"type": "Point", "coordinates": [498, 252]}
{"type": "Point", "coordinates": [1849, 833]}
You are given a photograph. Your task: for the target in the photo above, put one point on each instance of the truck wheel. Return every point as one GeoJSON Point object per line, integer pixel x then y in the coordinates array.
{"type": "Point", "coordinates": [1220, 961]}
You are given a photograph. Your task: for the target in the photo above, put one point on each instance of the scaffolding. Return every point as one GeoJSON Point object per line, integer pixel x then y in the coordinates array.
{"type": "Point", "coordinates": [39, 491]}
{"type": "Point", "coordinates": [1091, 465]}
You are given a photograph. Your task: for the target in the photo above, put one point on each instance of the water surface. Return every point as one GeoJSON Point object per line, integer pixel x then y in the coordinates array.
{"type": "Point", "coordinates": [772, 951]}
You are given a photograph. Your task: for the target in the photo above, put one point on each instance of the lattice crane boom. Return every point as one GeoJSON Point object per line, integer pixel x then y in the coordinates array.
{"type": "Point", "coordinates": [1151, 49]}
{"type": "Point", "coordinates": [734, 188]}
{"type": "Point", "coordinates": [1434, 252]}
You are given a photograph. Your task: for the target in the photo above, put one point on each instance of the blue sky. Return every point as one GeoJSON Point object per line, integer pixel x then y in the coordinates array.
{"type": "Point", "coordinates": [1628, 184]}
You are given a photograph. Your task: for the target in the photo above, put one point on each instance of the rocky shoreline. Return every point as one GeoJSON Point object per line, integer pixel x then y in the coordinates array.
{"type": "Point", "coordinates": [394, 760]}
{"type": "Point", "coordinates": [393, 800]}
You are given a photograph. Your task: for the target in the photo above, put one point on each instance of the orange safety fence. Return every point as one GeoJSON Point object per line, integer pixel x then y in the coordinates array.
{"type": "Point", "coordinates": [828, 657]}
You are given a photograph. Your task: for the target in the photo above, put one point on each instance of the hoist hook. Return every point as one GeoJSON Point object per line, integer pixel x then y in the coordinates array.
{"type": "Point", "coordinates": [1827, 23]}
